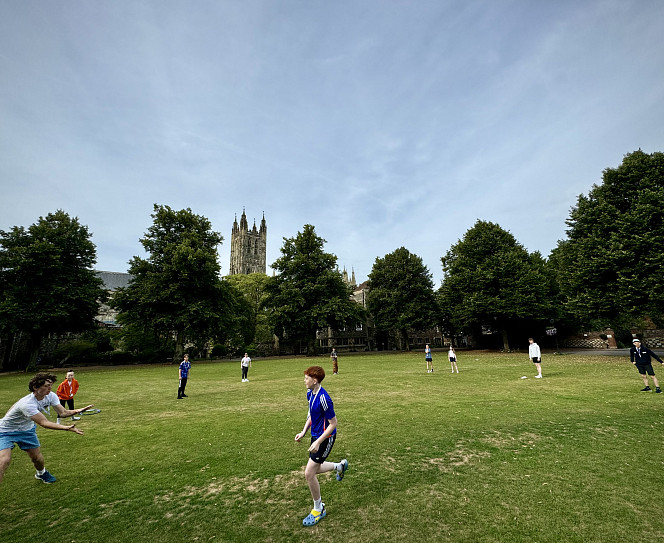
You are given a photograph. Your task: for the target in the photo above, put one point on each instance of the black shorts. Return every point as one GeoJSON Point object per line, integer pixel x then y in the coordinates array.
{"type": "Point", "coordinates": [452, 359]}
{"type": "Point", "coordinates": [535, 361]}
{"type": "Point", "coordinates": [323, 451]}
{"type": "Point", "coordinates": [645, 368]}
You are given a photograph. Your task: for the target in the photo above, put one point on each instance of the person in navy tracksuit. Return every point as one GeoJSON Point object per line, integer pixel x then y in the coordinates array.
{"type": "Point", "coordinates": [641, 358]}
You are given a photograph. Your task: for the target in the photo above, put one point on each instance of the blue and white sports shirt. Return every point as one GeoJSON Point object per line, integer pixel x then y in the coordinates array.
{"type": "Point", "coordinates": [321, 410]}
{"type": "Point", "coordinates": [185, 366]}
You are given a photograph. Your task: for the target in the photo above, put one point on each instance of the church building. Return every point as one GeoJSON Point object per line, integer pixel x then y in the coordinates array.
{"type": "Point", "coordinates": [248, 247]}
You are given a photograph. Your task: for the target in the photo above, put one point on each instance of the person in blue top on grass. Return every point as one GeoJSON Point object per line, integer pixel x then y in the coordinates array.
{"type": "Point", "coordinates": [185, 366]}
{"type": "Point", "coordinates": [428, 358]}
{"type": "Point", "coordinates": [323, 423]}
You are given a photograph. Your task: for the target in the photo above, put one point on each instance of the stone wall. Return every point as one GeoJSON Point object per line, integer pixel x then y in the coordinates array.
{"type": "Point", "coordinates": [653, 339]}
{"type": "Point", "coordinates": [590, 340]}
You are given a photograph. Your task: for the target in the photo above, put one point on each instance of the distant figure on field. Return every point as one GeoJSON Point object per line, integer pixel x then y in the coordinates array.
{"type": "Point", "coordinates": [245, 363]}
{"type": "Point", "coordinates": [183, 374]}
{"type": "Point", "coordinates": [335, 361]}
{"type": "Point", "coordinates": [66, 392]}
{"type": "Point", "coordinates": [640, 357]}
{"type": "Point", "coordinates": [322, 420]}
{"type": "Point", "coordinates": [451, 354]}
{"type": "Point", "coordinates": [18, 425]}
{"type": "Point", "coordinates": [536, 356]}
{"type": "Point", "coordinates": [428, 358]}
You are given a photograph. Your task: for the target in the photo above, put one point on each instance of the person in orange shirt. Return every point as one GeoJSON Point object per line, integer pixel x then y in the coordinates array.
{"type": "Point", "coordinates": [66, 392]}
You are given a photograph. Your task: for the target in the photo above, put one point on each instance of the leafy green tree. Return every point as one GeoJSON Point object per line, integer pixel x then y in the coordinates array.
{"type": "Point", "coordinates": [47, 284]}
{"type": "Point", "coordinates": [490, 279]}
{"type": "Point", "coordinates": [401, 295]}
{"type": "Point", "coordinates": [253, 287]}
{"type": "Point", "coordinates": [309, 292]}
{"type": "Point", "coordinates": [611, 266]}
{"type": "Point", "coordinates": [177, 290]}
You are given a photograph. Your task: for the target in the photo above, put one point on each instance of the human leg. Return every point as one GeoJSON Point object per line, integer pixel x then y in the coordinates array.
{"type": "Point", "coordinates": [5, 460]}
{"type": "Point", "coordinates": [37, 458]}
{"type": "Point", "coordinates": [539, 369]}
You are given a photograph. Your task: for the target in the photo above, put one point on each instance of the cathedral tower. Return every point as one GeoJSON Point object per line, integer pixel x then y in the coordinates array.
{"type": "Point", "coordinates": [248, 247]}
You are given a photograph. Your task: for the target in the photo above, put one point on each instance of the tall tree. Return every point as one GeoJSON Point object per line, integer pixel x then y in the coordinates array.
{"type": "Point", "coordinates": [401, 295]}
{"type": "Point", "coordinates": [47, 284]}
{"type": "Point", "coordinates": [611, 266]}
{"type": "Point", "coordinates": [309, 292]}
{"type": "Point", "coordinates": [490, 279]}
{"type": "Point", "coordinates": [253, 287]}
{"type": "Point", "coordinates": [177, 289]}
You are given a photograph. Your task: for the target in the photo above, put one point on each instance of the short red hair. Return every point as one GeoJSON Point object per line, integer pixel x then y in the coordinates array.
{"type": "Point", "coordinates": [316, 372]}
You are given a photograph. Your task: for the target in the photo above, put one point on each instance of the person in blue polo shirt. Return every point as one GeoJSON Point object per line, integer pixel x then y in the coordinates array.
{"type": "Point", "coordinates": [185, 366]}
{"type": "Point", "coordinates": [322, 420]}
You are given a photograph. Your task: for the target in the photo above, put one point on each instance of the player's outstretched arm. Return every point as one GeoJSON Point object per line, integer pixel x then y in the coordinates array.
{"type": "Point", "coordinates": [40, 419]}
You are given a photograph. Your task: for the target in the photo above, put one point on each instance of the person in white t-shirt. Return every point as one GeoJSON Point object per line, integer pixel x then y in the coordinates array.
{"type": "Point", "coordinates": [535, 355]}
{"type": "Point", "coordinates": [451, 354]}
{"type": "Point", "coordinates": [245, 363]}
{"type": "Point", "coordinates": [18, 426]}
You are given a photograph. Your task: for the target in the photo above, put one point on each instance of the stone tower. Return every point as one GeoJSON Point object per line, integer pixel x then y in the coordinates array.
{"type": "Point", "coordinates": [248, 247]}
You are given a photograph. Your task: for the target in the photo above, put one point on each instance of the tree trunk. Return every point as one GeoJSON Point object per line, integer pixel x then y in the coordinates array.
{"type": "Point", "coordinates": [179, 346]}
{"type": "Point", "coordinates": [405, 346]}
{"type": "Point", "coordinates": [506, 343]}
{"type": "Point", "coordinates": [35, 345]}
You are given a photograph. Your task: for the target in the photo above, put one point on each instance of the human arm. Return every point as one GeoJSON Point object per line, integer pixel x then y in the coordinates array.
{"type": "Point", "coordinates": [327, 433]}
{"type": "Point", "coordinates": [40, 419]}
{"type": "Point", "coordinates": [656, 357]}
{"type": "Point", "coordinates": [307, 425]}
{"type": "Point", "coordinates": [62, 412]}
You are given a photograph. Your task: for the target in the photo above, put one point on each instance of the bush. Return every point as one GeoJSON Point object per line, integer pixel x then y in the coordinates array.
{"type": "Point", "coordinates": [219, 350]}
{"type": "Point", "coordinates": [75, 353]}
{"type": "Point", "coordinates": [112, 358]}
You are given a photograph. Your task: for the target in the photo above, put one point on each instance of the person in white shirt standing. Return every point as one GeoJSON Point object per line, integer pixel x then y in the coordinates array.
{"type": "Point", "coordinates": [536, 356]}
{"type": "Point", "coordinates": [18, 425]}
{"type": "Point", "coordinates": [246, 364]}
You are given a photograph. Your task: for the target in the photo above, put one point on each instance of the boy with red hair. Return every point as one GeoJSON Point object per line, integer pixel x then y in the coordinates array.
{"type": "Point", "coordinates": [323, 423]}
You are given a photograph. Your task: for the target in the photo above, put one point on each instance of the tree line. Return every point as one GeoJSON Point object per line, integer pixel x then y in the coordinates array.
{"type": "Point", "coordinates": [607, 273]}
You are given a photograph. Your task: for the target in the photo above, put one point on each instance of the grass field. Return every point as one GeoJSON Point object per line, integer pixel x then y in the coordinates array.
{"type": "Point", "coordinates": [479, 456]}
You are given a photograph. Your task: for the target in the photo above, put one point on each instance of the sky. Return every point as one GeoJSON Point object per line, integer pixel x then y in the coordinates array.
{"type": "Point", "coordinates": [383, 123]}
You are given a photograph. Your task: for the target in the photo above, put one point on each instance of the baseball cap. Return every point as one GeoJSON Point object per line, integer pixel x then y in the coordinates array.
{"type": "Point", "coordinates": [636, 340]}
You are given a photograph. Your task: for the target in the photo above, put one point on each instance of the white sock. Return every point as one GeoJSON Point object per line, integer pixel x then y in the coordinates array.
{"type": "Point", "coordinates": [337, 466]}
{"type": "Point", "coordinates": [41, 472]}
{"type": "Point", "coordinates": [318, 504]}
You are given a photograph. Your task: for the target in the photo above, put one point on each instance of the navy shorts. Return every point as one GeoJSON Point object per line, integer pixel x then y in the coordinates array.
{"type": "Point", "coordinates": [323, 451]}
{"type": "Point", "coordinates": [645, 368]}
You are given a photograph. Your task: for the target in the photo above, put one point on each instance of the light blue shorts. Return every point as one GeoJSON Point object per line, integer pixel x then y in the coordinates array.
{"type": "Point", "coordinates": [25, 440]}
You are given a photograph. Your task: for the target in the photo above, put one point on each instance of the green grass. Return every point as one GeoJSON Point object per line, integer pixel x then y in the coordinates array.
{"type": "Point", "coordinates": [478, 456]}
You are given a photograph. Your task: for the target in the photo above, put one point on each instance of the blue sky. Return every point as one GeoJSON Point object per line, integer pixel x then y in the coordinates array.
{"type": "Point", "coordinates": [382, 123]}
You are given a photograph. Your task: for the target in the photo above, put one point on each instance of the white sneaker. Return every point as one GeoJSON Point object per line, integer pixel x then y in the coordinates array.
{"type": "Point", "coordinates": [76, 418]}
{"type": "Point", "coordinates": [538, 376]}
